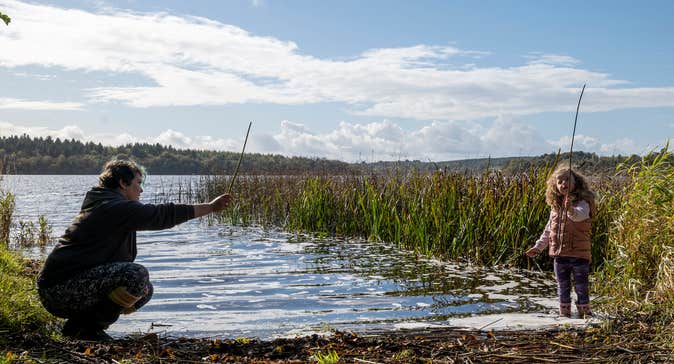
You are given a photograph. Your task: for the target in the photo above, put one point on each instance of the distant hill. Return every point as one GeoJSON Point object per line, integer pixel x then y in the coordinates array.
{"type": "Point", "coordinates": [471, 166]}
{"type": "Point", "coordinates": [587, 163]}
{"type": "Point", "coordinates": [26, 155]}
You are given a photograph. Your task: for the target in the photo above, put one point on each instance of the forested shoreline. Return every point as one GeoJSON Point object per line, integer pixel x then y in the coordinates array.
{"type": "Point", "coordinates": [27, 155]}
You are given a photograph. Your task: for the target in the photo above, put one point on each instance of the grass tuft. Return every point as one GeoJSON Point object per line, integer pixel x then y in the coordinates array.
{"type": "Point", "coordinates": [329, 357]}
{"type": "Point", "coordinates": [20, 308]}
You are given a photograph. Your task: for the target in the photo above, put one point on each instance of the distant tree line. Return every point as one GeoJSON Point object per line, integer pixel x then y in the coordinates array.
{"type": "Point", "coordinates": [26, 155]}
{"type": "Point", "coordinates": [589, 164]}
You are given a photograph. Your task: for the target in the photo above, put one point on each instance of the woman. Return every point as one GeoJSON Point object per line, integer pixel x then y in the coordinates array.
{"type": "Point", "coordinates": [90, 278]}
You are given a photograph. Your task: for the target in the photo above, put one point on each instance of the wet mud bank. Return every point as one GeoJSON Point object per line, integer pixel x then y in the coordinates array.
{"type": "Point", "coordinates": [628, 340]}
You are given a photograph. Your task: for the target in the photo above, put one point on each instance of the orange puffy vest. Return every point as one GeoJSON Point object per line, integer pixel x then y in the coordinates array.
{"type": "Point", "coordinates": [570, 238]}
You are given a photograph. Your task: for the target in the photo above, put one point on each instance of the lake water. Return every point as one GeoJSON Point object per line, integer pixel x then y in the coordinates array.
{"type": "Point", "coordinates": [232, 281]}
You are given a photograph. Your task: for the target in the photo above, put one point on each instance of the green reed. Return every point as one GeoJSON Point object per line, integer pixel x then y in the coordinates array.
{"type": "Point", "coordinates": [20, 308]}
{"type": "Point", "coordinates": [30, 234]}
{"type": "Point", "coordinates": [486, 219]}
{"type": "Point", "coordinates": [6, 210]}
{"type": "Point", "coordinates": [641, 250]}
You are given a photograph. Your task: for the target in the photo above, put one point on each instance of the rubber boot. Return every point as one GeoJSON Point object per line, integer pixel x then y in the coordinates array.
{"type": "Point", "coordinates": [91, 324]}
{"type": "Point", "coordinates": [105, 314]}
{"type": "Point", "coordinates": [76, 329]}
{"type": "Point", "coordinates": [565, 309]}
{"type": "Point", "coordinates": [584, 310]}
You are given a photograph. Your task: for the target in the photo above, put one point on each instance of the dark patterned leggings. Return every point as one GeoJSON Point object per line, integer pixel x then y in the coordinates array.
{"type": "Point", "coordinates": [579, 268]}
{"type": "Point", "coordinates": [84, 298]}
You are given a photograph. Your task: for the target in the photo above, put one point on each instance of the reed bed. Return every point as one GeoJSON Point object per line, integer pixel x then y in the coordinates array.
{"type": "Point", "coordinates": [487, 219]}
{"type": "Point", "coordinates": [639, 271]}
{"type": "Point", "coordinates": [182, 191]}
{"type": "Point", "coordinates": [262, 200]}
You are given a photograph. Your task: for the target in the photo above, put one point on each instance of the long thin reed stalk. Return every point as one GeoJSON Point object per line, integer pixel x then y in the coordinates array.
{"type": "Point", "coordinates": [236, 171]}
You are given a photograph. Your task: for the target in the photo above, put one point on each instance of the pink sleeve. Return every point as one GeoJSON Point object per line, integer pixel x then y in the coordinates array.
{"type": "Point", "coordinates": [544, 240]}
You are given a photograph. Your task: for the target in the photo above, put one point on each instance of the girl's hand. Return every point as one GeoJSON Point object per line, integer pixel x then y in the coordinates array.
{"type": "Point", "coordinates": [532, 252]}
{"type": "Point", "coordinates": [568, 205]}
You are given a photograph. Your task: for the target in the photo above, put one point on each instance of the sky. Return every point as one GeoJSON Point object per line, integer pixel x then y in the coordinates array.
{"type": "Point", "coordinates": [347, 80]}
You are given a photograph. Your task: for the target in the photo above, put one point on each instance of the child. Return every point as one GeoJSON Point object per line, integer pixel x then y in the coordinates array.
{"type": "Point", "coordinates": [568, 237]}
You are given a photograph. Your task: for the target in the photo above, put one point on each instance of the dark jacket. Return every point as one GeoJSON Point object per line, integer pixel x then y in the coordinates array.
{"type": "Point", "coordinates": [105, 232]}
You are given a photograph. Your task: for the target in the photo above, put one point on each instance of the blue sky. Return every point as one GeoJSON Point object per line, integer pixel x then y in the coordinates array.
{"type": "Point", "coordinates": [348, 80]}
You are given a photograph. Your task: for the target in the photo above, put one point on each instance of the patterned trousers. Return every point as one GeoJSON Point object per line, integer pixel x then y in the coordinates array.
{"type": "Point", "coordinates": [84, 298]}
{"type": "Point", "coordinates": [565, 268]}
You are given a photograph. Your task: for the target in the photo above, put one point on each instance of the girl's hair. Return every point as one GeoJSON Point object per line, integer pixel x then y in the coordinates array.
{"type": "Point", "coordinates": [582, 191]}
{"type": "Point", "coordinates": [117, 169]}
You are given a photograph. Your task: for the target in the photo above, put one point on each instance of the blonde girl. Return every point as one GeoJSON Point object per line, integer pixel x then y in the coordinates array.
{"type": "Point", "coordinates": [567, 236]}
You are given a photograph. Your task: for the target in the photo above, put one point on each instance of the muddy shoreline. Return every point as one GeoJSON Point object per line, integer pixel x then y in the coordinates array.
{"type": "Point", "coordinates": [413, 346]}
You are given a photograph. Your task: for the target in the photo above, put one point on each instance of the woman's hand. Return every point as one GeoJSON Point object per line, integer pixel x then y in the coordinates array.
{"type": "Point", "coordinates": [217, 204]}
{"type": "Point", "coordinates": [221, 202]}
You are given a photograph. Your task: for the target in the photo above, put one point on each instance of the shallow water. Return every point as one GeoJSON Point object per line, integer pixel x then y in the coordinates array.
{"type": "Point", "coordinates": [232, 281]}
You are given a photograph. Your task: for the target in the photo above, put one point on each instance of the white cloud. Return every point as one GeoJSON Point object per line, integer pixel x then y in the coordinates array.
{"type": "Point", "coordinates": [446, 138]}
{"type": "Point", "coordinates": [172, 137]}
{"type": "Point", "coordinates": [624, 146]}
{"type": "Point", "coordinates": [388, 141]}
{"type": "Point", "coordinates": [507, 136]}
{"type": "Point", "coordinates": [197, 61]}
{"type": "Point", "coordinates": [376, 141]}
{"type": "Point", "coordinates": [552, 59]}
{"type": "Point", "coordinates": [37, 76]}
{"type": "Point", "coordinates": [167, 137]}
{"type": "Point", "coordinates": [262, 142]}
{"type": "Point", "coordinates": [67, 132]}
{"type": "Point", "coordinates": [112, 139]}
{"type": "Point", "coordinates": [10, 103]}
{"type": "Point", "coordinates": [580, 142]}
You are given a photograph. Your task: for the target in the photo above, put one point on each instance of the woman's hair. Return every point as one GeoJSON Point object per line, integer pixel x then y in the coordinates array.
{"type": "Point", "coordinates": [582, 191]}
{"type": "Point", "coordinates": [117, 169]}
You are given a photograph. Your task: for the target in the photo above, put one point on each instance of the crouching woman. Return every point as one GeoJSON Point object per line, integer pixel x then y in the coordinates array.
{"type": "Point", "coordinates": [89, 278]}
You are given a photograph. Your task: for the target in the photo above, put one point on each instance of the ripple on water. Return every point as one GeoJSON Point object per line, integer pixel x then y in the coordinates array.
{"type": "Point", "coordinates": [258, 282]}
